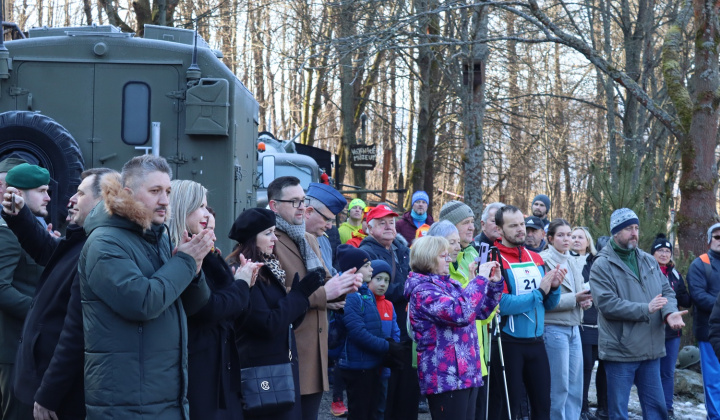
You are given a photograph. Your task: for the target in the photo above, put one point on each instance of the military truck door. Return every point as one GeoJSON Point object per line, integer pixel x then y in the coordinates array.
{"type": "Point", "coordinates": [128, 98]}
{"type": "Point", "coordinates": [62, 91]}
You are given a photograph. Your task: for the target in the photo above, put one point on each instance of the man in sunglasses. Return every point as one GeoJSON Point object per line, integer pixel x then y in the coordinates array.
{"type": "Point", "coordinates": [298, 252]}
{"type": "Point", "coordinates": [703, 280]}
{"type": "Point", "coordinates": [635, 302]}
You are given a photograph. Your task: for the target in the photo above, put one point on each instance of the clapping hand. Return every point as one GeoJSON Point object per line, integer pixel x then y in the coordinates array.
{"type": "Point", "coordinates": [247, 271]}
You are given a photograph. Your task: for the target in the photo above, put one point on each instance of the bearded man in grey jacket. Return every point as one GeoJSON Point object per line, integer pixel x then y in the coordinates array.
{"type": "Point", "coordinates": [635, 301]}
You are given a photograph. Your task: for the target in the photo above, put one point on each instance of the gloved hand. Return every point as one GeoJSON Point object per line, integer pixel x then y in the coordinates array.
{"type": "Point", "coordinates": [395, 357]}
{"type": "Point", "coordinates": [310, 283]}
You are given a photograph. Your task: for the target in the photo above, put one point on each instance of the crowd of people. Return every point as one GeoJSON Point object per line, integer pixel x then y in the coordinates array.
{"type": "Point", "coordinates": [134, 313]}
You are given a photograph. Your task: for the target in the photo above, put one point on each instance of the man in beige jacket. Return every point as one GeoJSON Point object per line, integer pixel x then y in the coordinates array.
{"type": "Point", "coordinates": [298, 252]}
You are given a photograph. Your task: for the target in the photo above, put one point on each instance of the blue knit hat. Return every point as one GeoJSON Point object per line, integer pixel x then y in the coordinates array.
{"type": "Point", "coordinates": [380, 266]}
{"type": "Point", "coordinates": [622, 218]}
{"type": "Point", "coordinates": [420, 195]}
{"type": "Point", "coordinates": [348, 257]}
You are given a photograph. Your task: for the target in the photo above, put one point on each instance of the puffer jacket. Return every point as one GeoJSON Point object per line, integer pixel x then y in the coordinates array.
{"type": "Point", "coordinates": [399, 260]}
{"type": "Point", "coordinates": [365, 344]}
{"type": "Point", "coordinates": [134, 316]}
{"type": "Point", "coordinates": [442, 316]}
{"type": "Point", "coordinates": [405, 226]}
{"type": "Point", "coordinates": [567, 313]}
{"type": "Point", "coordinates": [628, 332]}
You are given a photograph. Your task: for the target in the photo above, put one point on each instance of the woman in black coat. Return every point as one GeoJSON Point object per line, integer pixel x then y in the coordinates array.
{"type": "Point", "coordinates": [265, 334]}
{"type": "Point", "coordinates": [213, 360]}
{"type": "Point", "coordinates": [662, 250]}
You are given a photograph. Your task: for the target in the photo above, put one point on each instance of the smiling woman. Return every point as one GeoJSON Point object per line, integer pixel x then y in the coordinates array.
{"type": "Point", "coordinates": [213, 361]}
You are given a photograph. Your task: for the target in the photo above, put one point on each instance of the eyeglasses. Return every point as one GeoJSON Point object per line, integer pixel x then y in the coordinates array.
{"type": "Point", "coordinates": [296, 203]}
{"type": "Point", "coordinates": [325, 218]}
{"type": "Point", "coordinates": [716, 237]}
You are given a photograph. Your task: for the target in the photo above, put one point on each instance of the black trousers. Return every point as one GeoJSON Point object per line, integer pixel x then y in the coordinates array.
{"type": "Point", "coordinates": [526, 363]}
{"type": "Point", "coordinates": [403, 391]}
{"type": "Point", "coordinates": [590, 355]}
{"type": "Point", "coordinates": [481, 401]}
{"type": "Point", "coordinates": [363, 389]}
{"type": "Point", "coordinates": [453, 405]}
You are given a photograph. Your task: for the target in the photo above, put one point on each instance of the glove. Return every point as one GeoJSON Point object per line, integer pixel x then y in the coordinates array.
{"type": "Point", "coordinates": [310, 283]}
{"type": "Point", "coordinates": [395, 356]}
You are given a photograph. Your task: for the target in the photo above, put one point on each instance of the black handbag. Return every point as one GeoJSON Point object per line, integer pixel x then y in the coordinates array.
{"type": "Point", "coordinates": [268, 389]}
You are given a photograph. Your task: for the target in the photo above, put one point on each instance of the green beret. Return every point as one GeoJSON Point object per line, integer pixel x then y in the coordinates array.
{"type": "Point", "coordinates": [10, 163]}
{"type": "Point", "coordinates": [27, 177]}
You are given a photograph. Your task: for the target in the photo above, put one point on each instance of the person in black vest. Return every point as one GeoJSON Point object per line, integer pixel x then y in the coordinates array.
{"type": "Point", "coordinates": [49, 368]}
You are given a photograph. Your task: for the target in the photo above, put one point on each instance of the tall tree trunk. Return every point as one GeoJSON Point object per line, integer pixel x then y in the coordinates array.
{"type": "Point", "coordinates": [698, 114]}
{"type": "Point", "coordinates": [474, 157]}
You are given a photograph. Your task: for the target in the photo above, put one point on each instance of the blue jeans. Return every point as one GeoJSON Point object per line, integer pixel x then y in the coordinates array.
{"type": "Point", "coordinates": [646, 377]}
{"type": "Point", "coordinates": [711, 375]}
{"type": "Point", "coordinates": [564, 350]}
{"type": "Point", "coordinates": [667, 370]}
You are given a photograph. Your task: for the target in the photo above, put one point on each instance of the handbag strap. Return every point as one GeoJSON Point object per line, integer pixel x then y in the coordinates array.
{"type": "Point", "coordinates": [290, 342]}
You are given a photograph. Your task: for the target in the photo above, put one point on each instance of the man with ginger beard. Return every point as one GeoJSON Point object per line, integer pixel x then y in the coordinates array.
{"type": "Point", "coordinates": [530, 290]}
{"type": "Point", "coordinates": [49, 370]}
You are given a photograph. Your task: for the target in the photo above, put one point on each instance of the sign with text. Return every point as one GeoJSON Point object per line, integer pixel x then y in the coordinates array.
{"type": "Point", "coordinates": [363, 156]}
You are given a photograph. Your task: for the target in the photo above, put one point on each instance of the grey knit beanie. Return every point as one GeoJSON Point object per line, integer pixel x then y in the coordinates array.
{"type": "Point", "coordinates": [710, 231]}
{"type": "Point", "coordinates": [455, 212]}
{"type": "Point", "coordinates": [544, 198]}
{"type": "Point", "coordinates": [622, 218]}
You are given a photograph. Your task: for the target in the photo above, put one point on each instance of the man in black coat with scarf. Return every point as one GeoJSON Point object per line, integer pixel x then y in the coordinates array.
{"type": "Point", "coordinates": [49, 363]}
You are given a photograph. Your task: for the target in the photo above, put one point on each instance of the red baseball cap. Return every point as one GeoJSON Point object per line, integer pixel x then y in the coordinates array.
{"type": "Point", "coordinates": [380, 211]}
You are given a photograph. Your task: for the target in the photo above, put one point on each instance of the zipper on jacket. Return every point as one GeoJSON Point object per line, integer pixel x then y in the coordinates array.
{"type": "Point", "coordinates": [142, 355]}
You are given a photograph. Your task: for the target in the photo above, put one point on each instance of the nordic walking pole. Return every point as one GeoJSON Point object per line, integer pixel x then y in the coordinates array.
{"type": "Point", "coordinates": [502, 363]}
{"type": "Point", "coordinates": [487, 385]}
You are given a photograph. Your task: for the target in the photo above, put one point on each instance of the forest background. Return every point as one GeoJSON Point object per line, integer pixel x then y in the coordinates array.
{"type": "Point", "coordinates": [599, 104]}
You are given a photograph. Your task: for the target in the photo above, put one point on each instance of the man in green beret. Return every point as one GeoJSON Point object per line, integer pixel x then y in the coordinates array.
{"type": "Point", "coordinates": [19, 274]}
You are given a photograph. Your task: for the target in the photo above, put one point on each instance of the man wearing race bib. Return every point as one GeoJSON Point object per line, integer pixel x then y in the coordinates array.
{"type": "Point", "coordinates": [529, 292]}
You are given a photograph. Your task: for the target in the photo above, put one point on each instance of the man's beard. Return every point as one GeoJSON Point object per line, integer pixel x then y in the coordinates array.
{"type": "Point", "coordinates": [516, 242]}
{"type": "Point", "coordinates": [538, 213]}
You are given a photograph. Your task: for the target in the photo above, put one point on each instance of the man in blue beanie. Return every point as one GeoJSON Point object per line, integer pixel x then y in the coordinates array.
{"type": "Point", "coordinates": [635, 302]}
{"type": "Point", "coordinates": [704, 288]}
{"type": "Point", "coordinates": [418, 215]}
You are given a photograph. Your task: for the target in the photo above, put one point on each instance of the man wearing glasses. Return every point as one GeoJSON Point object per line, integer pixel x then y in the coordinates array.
{"type": "Point", "coordinates": [703, 280]}
{"type": "Point", "coordinates": [323, 203]}
{"type": "Point", "coordinates": [298, 252]}
{"type": "Point", "coordinates": [634, 301]}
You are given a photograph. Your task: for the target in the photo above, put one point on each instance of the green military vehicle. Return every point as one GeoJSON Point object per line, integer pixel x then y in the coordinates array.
{"type": "Point", "coordinates": [81, 97]}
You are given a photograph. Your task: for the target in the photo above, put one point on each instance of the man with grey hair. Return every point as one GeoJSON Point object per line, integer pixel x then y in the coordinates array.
{"type": "Point", "coordinates": [136, 293]}
{"type": "Point", "coordinates": [634, 301]}
{"type": "Point", "coordinates": [704, 288]}
{"type": "Point", "coordinates": [489, 230]}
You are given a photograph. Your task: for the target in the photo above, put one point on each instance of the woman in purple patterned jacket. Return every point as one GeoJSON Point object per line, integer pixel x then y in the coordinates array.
{"type": "Point", "coordinates": [442, 317]}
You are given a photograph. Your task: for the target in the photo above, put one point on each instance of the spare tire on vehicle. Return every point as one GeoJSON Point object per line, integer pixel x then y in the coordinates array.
{"type": "Point", "coordinates": [40, 140]}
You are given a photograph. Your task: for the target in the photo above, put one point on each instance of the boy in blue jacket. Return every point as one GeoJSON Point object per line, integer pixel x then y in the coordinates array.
{"type": "Point", "coordinates": [379, 285]}
{"type": "Point", "coordinates": [365, 347]}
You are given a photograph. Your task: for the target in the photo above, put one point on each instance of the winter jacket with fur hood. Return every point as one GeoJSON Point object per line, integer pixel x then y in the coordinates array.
{"type": "Point", "coordinates": [133, 315]}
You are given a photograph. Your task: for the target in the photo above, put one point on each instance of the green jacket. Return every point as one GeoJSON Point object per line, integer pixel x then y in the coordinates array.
{"type": "Point", "coordinates": [19, 275]}
{"type": "Point", "coordinates": [628, 332]}
{"type": "Point", "coordinates": [134, 318]}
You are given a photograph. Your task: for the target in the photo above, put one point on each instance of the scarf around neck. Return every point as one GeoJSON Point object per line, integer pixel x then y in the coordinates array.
{"type": "Point", "coordinates": [297, 234]}
{"type": "Point", "coordinates": [272, 263]}
{"type": "Point", "coordinates": [419, 219]}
